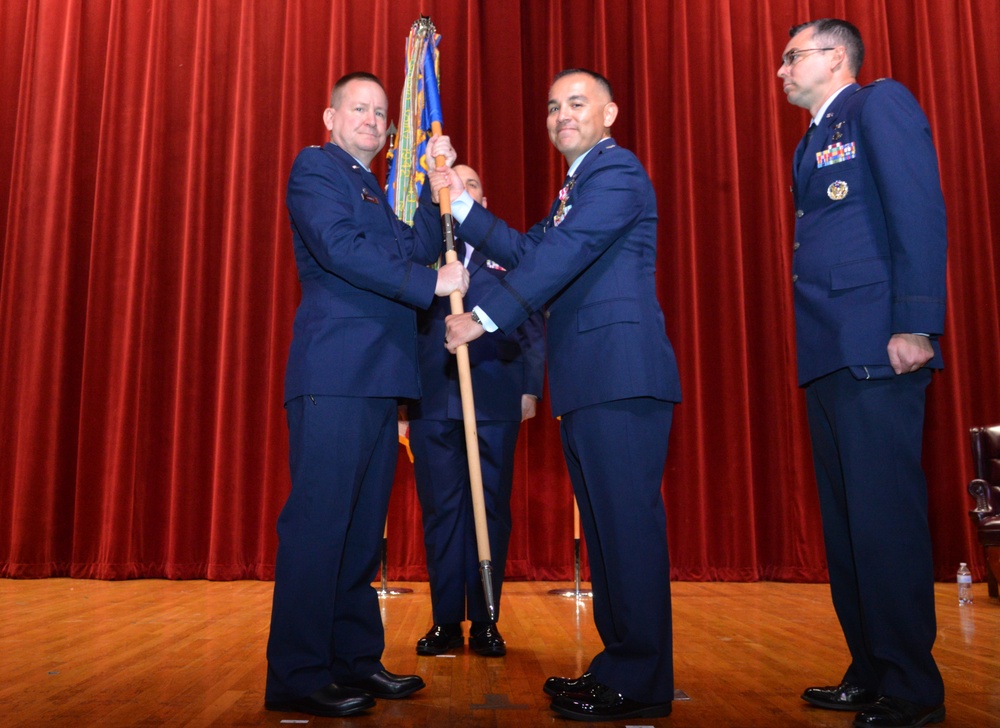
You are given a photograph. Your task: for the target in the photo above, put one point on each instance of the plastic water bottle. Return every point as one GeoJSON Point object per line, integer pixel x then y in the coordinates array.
{"type": "Point", "coordinates": [964, 578]}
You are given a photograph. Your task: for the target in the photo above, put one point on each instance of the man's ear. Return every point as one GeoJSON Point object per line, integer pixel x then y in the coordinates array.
{"type": "Point", "coordinates": [610, 114]}
{"type": "Point", "coordinates": [483, 203]}
{"type": "Point", "coordinates": [839, 58]}
{"type": "Point", "coordinates": [328, 118]}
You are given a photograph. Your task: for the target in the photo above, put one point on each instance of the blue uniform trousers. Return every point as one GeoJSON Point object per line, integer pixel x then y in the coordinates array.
{"type": "Point", "coordinates": [325, 620]}
{"type": "Point", "coordinates": [441, 471]}
{"type": "Point", "coordinates": [867, 437]}
{"type": "Point", "coordinates": [616, 452]}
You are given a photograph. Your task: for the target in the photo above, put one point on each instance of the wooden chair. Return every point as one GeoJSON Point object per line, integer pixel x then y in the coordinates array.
{"type": "Point", "coordinates": [986, 490]}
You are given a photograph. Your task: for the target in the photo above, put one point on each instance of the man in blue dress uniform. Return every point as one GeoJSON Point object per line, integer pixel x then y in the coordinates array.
{"type": "Point", "coordinates": [591, 265]}
{"type": "Point", "coordinates": [869, 288]}
{"type": "Point", "coordinates": [508, 373]}
{"type": "Point", "coordinates": [353, 354]}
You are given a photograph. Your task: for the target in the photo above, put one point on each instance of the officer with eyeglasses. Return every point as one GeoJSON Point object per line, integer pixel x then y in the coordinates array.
{"type": "Point", "coordinates": [868, 276]}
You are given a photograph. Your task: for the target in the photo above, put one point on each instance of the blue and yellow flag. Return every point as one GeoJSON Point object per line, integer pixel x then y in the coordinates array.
{"type": "Point", "coordinates": [419, 107]}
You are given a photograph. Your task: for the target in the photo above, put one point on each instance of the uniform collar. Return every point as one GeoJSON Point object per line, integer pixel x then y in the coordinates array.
{"type": "Point", "coordinates": [605, 143]}
{"type": "Point", "coordinates": [818, 119]}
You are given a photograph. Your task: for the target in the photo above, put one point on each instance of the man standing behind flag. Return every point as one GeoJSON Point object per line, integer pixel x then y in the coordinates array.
{"type": "Point", "coordinates": [508, 373]}
{"type": "Point", "coordinates": [353, 354]}
{"type": "Point", "coordinates": [612, 377]}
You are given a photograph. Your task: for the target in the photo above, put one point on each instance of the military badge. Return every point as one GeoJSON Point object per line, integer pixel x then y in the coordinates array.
{"type": "Point", "coordinates": [837, 190]}
{"type": "Point", "coordinates": [561, 215]}
{"type": "Point", "coordinates": [368, 196]}
{"type": "Point", "coordinates": [563, 198]}
{"type": "Point", "coordinates": [835, 153]}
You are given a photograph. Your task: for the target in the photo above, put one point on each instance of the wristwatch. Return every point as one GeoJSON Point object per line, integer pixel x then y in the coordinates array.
{"type": "Point", "coordinates": [475, 317]}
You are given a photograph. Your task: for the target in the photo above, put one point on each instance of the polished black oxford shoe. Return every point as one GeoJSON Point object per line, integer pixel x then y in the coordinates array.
{"type": "Point", "coordinates": [889, 712]}
{"type": "Point", "coordinates": [488, 642]}
{"type": "Point", "coordinates": [601, 702]}
{"type": "Point", "coordinates": [440, 639]}
{"type": "Point", "coordinates": [333, 701]}
{"type": "Point", "coordinates": [840, 697]}
{"type": "Point", "coordinates": [383, 684]}
{"type": "Point", "coordinates": [569, 686]}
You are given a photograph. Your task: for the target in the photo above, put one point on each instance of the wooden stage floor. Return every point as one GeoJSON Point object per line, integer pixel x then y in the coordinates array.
{"type": "Point", "coordinates": [191, 653]}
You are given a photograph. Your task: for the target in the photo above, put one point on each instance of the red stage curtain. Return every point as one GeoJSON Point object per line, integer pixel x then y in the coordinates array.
{"type": "Point", "coordinates": [147, 285]}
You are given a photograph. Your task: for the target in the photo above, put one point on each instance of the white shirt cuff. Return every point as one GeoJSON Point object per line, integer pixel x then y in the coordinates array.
{"type": "Point", "coordinates": [486, 321]}
{"type": "Point", "coordinates": [461, 206]}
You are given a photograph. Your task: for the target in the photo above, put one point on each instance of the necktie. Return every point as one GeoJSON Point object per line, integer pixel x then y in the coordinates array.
{"type": "Point", "coordinates": [805, 144]}
{"type": "Point", "coordinates": [460, 250]}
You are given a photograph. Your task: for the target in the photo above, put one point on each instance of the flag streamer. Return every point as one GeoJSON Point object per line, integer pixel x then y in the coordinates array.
{"type": "Point", "coordinates": [420, 107]}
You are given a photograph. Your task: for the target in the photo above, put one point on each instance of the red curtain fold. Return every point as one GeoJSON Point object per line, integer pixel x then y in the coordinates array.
{"type": "Point", "coordinates": [147, 285]}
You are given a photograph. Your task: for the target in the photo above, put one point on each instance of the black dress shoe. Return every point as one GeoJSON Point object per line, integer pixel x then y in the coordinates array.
{"type": "Point", "coordinates": [840, 697]}
{"type": "Point", "coordinates": [332, 701]}
{"type": "Point", "coordinates": [488, 642]}
{"type": "Point", "coordinates": [440, 639]}
{"type": "Point", "coordinates": [569, 686]}
{"type": "Point", "coordinates": [383, 684]}
{"type": "Point", "coordinates": [603, 703]}
{"type": "Point", "coordinates": [889, 712]}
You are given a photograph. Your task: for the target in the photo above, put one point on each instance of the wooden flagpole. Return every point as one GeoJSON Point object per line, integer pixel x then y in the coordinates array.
{"type": "Point", "coordinates": [468, 407]}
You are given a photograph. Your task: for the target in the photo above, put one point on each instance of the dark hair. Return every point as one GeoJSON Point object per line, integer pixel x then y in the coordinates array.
{"type": "Point", "coordinates": [831, 31]}
{"type": "Point", "coordinates": [601, 80]}
{"type": "Point", "coordinates": [355, 76]}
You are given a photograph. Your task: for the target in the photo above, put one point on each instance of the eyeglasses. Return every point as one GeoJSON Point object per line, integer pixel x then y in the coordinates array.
{"type": "Point", "coordinates": [792, 57]}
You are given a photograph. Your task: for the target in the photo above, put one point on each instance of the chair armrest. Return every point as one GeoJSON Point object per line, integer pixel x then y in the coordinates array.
{"type": "Point", "coordinates": [986, 500]}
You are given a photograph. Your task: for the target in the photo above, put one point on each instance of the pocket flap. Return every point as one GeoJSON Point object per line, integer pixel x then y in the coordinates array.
{"type": "Point", "coordinates": [859, 273]}
{"type": "Point", "coordinates": [619, 310]}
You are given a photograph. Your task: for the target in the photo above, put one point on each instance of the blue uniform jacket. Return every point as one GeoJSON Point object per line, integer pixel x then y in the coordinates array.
{"type": "Point", "coordinates": [870, 241]}
{"type": "Point", "coordinates": [595, 274]}
{"type": "Point", "coordinates": [504, 366]}
{"type": "Point", "coordinates": [362, 272]}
